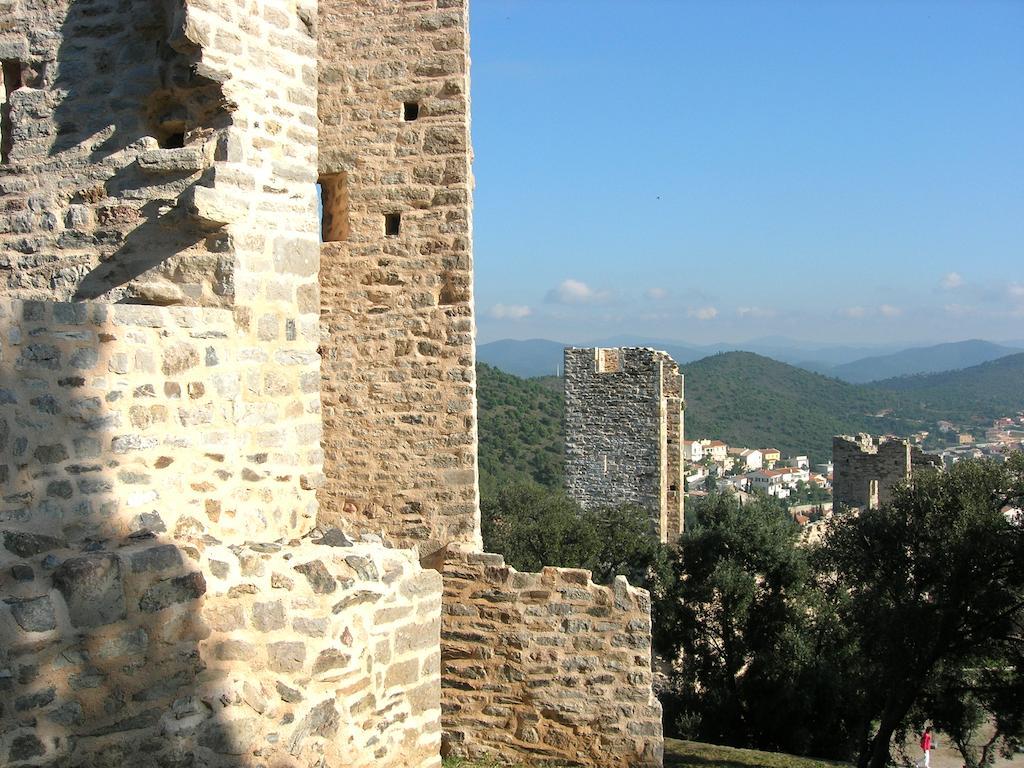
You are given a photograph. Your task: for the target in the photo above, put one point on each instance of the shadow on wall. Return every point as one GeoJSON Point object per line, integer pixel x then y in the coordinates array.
{"type": "Point", "coordinates": [137, 130]}
{"type": "Point", "coordinates": [99, 633]}
{"type": "Point", "coordinates": [129, 635]}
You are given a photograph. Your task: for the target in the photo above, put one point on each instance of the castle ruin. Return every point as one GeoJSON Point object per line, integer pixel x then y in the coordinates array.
{"type": "Point", "coordinates": [624, 432]}
{"type": "Point", "coordinates": [238, 490]}
{"type": "Point", "coordinates": [866, 468]}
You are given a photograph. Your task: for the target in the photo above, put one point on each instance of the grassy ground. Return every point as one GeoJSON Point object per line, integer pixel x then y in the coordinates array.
{"type": "Point", "coordinates": [692, 754]}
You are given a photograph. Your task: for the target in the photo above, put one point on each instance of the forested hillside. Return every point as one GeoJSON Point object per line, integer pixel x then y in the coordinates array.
{"type": "Point", "coordinates": [745, 399]}
{"type": "Point", "coordinates": [749, 400]}
{"type": "Point", "coordinates": [974, 395]}
{"type": "Point", "coordinates": [521, 435]}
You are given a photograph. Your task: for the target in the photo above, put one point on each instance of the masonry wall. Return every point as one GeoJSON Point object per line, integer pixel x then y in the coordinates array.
{"type": "Point", "coordinates": [398, 348]}
{"type": "Point", "coordinates": [546, 667]}
{"type": "Point", "coordinates": [146, 146]}
{"type": "Point", "coordinates": [624, 431]}
{"type": "Point", "coordinates": [866, 469]}
{"type": "Point", "coordinates": [151, 652]}
{"type": "Point", "coordinates": [118, 419]}
{"type": "Point", "coordinates": [146, 444]}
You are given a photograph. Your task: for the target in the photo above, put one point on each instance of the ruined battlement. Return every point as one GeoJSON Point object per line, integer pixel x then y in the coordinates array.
{"type": "Point", "coordinates": [867, 468]}
{"type": "Point", "coordinates": [624, 432]}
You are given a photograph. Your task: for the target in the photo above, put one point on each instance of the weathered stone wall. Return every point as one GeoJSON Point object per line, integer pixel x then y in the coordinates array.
{"type": "Point", "coordinates": [398, 350]}
{"type": "Point", "coordinates": [148, 652]}
{"type": "Point", "coordinates": [119, 418]}
{"type": "Point", "coordinates": [866, 468]}
{"type": "Point", "coordinates": [146, 139]}
{"type": "Point", "coordinates": [546, 666]}
{"type": "Point", "coordinates": [624, 431]}
{"type": "Point", "coordinates": [141, 447]}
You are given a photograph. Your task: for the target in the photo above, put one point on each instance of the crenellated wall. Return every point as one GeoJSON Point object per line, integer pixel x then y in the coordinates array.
{"type": "Point", "coordinates": [867, 469]}
{"type": "Point", "coordinates": [178, 472]}
{"type": "Point", "coordinates": [546, 666]}
{"type": "Point", "coordinates": [399, 383]}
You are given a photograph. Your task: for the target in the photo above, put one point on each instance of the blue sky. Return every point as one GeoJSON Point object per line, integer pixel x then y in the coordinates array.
{"type": "Point", "coordinates": [721, 171]}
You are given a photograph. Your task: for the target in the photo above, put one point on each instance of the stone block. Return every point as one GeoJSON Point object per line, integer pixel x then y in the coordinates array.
{"type": "Point", "coordinates": [34, 614]}
{"type": "Point", "coordinates": [92, 589]}
{"type": "Point", "coordinates": [168, 592]}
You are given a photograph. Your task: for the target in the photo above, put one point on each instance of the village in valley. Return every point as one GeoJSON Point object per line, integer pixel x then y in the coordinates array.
{"type": "Point", "coordinates": [804, 488]}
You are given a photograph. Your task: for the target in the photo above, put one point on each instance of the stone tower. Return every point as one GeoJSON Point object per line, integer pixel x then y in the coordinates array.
{"type": "Point", "coordinates": [866, 468]}
{"type": "Point", "coordinates": [624, 432]}
{"type": "Point", "coordinates": [239, 515]}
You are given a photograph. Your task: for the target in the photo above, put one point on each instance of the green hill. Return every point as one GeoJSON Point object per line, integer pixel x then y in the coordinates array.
{"type": "Point", "coordinates": [521, 433]}
{"type": "Point", "coordinates": [973, 395]}
{"type": "Point", "coordinates": [749, 400]}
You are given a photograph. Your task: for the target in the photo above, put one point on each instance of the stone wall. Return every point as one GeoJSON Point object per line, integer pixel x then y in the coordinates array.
{"type": "Point", "coordinates": [120, 418]}
{"type": "Point", "coordinates": [150, 652]}
{"type": "Point", "coordinates": [146, 140]}
{"type": "Point", "coordinates": [866, 468]}
{"type": "Point", "coordinates": [624, 432]}
{"type": "Point", "coordinates": [165, 598]}
{"type": "Point", "coordinates": [143, 448]}
{"type": "Point", "coordinates": [398, 348]}
{"type": "Point", "coordinates": [546, 667]}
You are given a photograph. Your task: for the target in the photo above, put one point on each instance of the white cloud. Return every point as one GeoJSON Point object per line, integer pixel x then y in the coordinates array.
{"type": "Point", "coordinates": [574, 292]}
{"type": "Point", "coordinates": [509, 311]}
{"type": "Point", "coordinates": [703, 313]}
{"type": "Point", "coordinates": [1016, 291]}
{"type": "Point", "coordinates": [958, 310]}
{"type": "Point", "coordinates": [756, 312]}
{"type": "Point", "coordinates": [656, 294]}
{"type": "Point", "coordinates": [888, 310]}
{"type": "Point", "coordinates": [853, 312]}
{"type": "Point", "coordinates": [952, 280]}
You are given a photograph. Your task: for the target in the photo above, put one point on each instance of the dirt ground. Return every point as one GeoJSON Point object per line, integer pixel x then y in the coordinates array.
{"type": "Point", "coordinates": [945, 755]}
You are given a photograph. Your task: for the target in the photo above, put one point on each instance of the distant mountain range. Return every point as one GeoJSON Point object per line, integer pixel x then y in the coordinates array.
{"type": "Point", "coordinates": [542, 357]}
{"type": "Point", "coordinates": [754, 401]}
{"type": "Point", "coordinates": [941, 357]}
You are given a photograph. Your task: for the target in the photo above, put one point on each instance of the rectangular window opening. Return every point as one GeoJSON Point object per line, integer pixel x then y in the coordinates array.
{"type": "Point", "coordinates": [332, 190]}
{"type": "Point", "coordinates": [174, 140]}
{"type": "Point", "coordinates": [12, 77]}
{"type": "Point", "coordinates": [410, 111]}
{"type": "Point", "coordinates": [392, 224]}
{"type": "Point", "coordinates": [608, 361]}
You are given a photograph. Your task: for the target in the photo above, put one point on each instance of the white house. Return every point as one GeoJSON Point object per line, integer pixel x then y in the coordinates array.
{"type": "Point", "coordinates": [693, 451]}
{"type": "Point", "coordinates": [796, 461]}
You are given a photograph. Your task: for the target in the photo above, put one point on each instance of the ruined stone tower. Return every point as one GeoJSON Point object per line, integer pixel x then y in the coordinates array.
{"type": "Point", "coordinates": [624, 432]}
{"type": "Point", "coordinates": [234, 434]}
{"type": "Point", "coordinates": [866, 468]}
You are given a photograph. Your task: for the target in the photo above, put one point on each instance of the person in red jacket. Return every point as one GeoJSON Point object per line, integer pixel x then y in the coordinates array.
{"type": "Point", "coordinates": [926, 747]}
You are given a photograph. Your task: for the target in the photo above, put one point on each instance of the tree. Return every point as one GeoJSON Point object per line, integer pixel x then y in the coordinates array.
{"type": "Point", "coordinates": [933, 586]}
{"type": "Point", "coordinates": [534, 526]}
{"type": "Point", "coordinates": [741, 620]}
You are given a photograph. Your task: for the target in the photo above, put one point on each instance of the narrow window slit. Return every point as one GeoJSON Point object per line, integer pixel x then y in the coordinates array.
{"type": "Point", "coordinates": [410, 111]}
{"type": "Point", "coordinates": [392, 224]}
{"type": "Point", "coordinates": [333, 205]}
{"type": "Point", "coordinates": [12, 77]}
